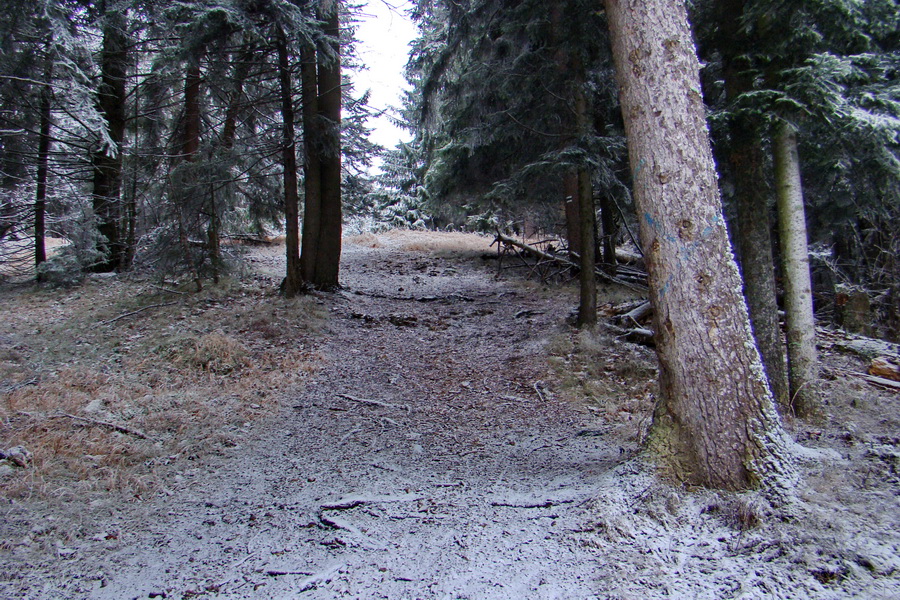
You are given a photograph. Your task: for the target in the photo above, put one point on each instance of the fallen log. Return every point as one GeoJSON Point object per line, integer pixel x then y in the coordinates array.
{"type": "Point", "coordinates": [882, 382]}
{"type": "Point", "coordinates": [635, 315]}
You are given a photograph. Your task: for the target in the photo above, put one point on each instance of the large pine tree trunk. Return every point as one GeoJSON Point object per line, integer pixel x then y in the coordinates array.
{"type": "Point", "coordinates": [312, 181]}
{"type": "Point", "coordinates": [801, 327]}
{"type": "Point", "coordinates": [328, 257]}
{"type": "Point", "coordinates": [107, 162]}
{"type": "Point", "coordinates": [715, 422]}
{"type": "Point", "coordinates": [292, 281]}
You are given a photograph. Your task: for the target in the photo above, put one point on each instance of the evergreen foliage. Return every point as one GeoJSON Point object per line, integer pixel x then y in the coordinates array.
{"type": "Point", "coordinates": [496, 119]}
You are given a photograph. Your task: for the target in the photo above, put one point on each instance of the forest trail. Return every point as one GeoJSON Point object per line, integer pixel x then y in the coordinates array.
{"type": "Point", "coordinates": [446, 435]}
{"type": "Point", "coordinates": [427, 458]}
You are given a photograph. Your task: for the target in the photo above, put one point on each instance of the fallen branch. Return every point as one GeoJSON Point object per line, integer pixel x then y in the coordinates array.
{"type": "Point", "coordinates": [637, 335]}
{"type": "Point", "coordinates": [319, 578]}
{"type": "Point", "coordinates": [134, 312]}
{"type": "Point", "coordinates": [372, 402]}
{"type": "Point", "coordinates": [354, 501]}
{"type": "Point", "coordinates": [882, 382]}
{"type": "Point", "coordinates": [535, 504]}
{"type": "Point", "coordinates": [113, 426]}
{"type": "Point", "coordinates": [277, 572]}
{"type": "Point", "coordinates": [17, 386]}
{"type": "Point", "coordinates": [165, 289]}
{"type": "Point", "coordinates": [336, 523]}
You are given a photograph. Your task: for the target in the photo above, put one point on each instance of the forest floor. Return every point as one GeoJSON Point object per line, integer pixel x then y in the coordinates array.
{"type": "Point", "coordinates": [429, 431]}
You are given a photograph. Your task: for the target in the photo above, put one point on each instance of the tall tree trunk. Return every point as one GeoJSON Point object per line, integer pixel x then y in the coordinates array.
{"type": "Point", "coordinates": [746, 159]}
{"type": "Point", "coordinates": [754, 239]}
{"type": "Point", "coordinates": [292, 281]}
{"type": "Point", "coordinates": [328, 257]}
{"type": "Point", "coordinates": [190, 144]}
{"type": "Point", "coordinates": [107, 162]}
{"type": "Point", "coordinates": [609, 228]}
{"type": "Point", "coordinates": [572, 211]}
{"type": "Point", "coordinates": [715, 423]}
{"type": "Point", "coordinates": [131, 198]}
{"type": "Point", "coordinates": [40, 197]}
{"type": "Point", "coordinates": [587, 305]}
{"type": "Point", "coordinates": [239, 74]}
{"type": "Point", "coordinates": [801, 326]}
{"type": "Point", "coordinates": [312, 181]}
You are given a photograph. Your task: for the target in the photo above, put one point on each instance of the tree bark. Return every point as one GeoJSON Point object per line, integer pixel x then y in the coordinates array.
{"type": "Point", "coordinates": [753, 226]}
{"type": "Point", "coordinates": [572, 212]}
{"type": "Point", "coordinates": [312, 181]}
{"type": "Point", "coordinates": [801, 327]}
{"type": "Point", "coordinates": [754, 241]}
{"type": "Point", "coordinates": [40, 197]}
{"type": "Point", "coordinates": [292, 281]}
{"type": "Point", "coordinates": [107, 162]}
{"type": "Point", "coordinates": [190, 145]}
{"type": "Point", "coordinates": [715, 422]}
{"type": "Point", "coordinates": [609, 232]}
{"type": "Point", "coordinates": [328, 256]}
{"type": "Point", "coordinates": [587, 305]}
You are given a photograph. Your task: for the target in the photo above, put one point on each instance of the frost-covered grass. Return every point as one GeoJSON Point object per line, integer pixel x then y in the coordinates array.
{"type": "Point", "coordinates": [190, 371]}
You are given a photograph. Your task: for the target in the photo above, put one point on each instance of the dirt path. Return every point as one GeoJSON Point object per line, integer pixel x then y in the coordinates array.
{"type": "Point", "coordinates": [450, 470]}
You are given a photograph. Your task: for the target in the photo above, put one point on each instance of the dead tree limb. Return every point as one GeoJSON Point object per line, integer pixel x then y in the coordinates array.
{"type": "Point", "coordinates": [134, 312]}
{"type": "Point", "coordinates": [113, 426]}
{"type": "Point", "coordinates": [373, 402]}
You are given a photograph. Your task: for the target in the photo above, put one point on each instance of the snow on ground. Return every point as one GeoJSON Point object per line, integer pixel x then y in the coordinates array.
{"type": "Point", "coordinates": [434, 453]}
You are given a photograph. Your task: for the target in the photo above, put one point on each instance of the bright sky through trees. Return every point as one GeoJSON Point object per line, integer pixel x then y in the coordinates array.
{"type": "Point", "coordinates": [384, 33]}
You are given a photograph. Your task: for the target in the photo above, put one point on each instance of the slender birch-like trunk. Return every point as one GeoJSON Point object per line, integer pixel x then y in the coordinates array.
{"type": "Point", "coordinates": [801, 326]}
{"type": "Point", "coordinates": [715, 422]}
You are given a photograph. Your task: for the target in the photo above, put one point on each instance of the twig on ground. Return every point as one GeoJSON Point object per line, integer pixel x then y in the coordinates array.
{"type": "Point", "coordinates": [535, 504]}
{"type": "Point", "coordinates": [373, 402]}
{"type": "Point", "coordinates": [354, 501]}
{"type": "Point", "coordinates": [114, 426]}
{"type": "Point", "coordinates": [538, 390]}
{"type": "Point", "coordinates": [277, 572]}
{"type": "Point", "coordinates": [165, 289]}
{"type": "Point", "coordinates": [319, 578]}
{"type": "Point", "coordinates": [17, 386]}
{"type": "Point", "coordinates": [134, 312]}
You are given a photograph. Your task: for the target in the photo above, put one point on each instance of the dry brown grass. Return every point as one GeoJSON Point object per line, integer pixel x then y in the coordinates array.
{"type": "Point", "coordinates": [614, 380]}
{"type": "Point", "coordinates": [193, 376]}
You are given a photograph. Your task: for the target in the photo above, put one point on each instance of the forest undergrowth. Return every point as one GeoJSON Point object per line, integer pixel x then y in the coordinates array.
{"type": "Point", "coordinates": [104, 382]}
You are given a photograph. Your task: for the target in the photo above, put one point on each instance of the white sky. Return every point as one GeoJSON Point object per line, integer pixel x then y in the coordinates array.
{"type": "Point", "coordinates": [384, 33]}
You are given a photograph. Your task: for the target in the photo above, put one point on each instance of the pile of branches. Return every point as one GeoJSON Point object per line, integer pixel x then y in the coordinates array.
{"type": "Point", "coordinates": [550, 260]}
